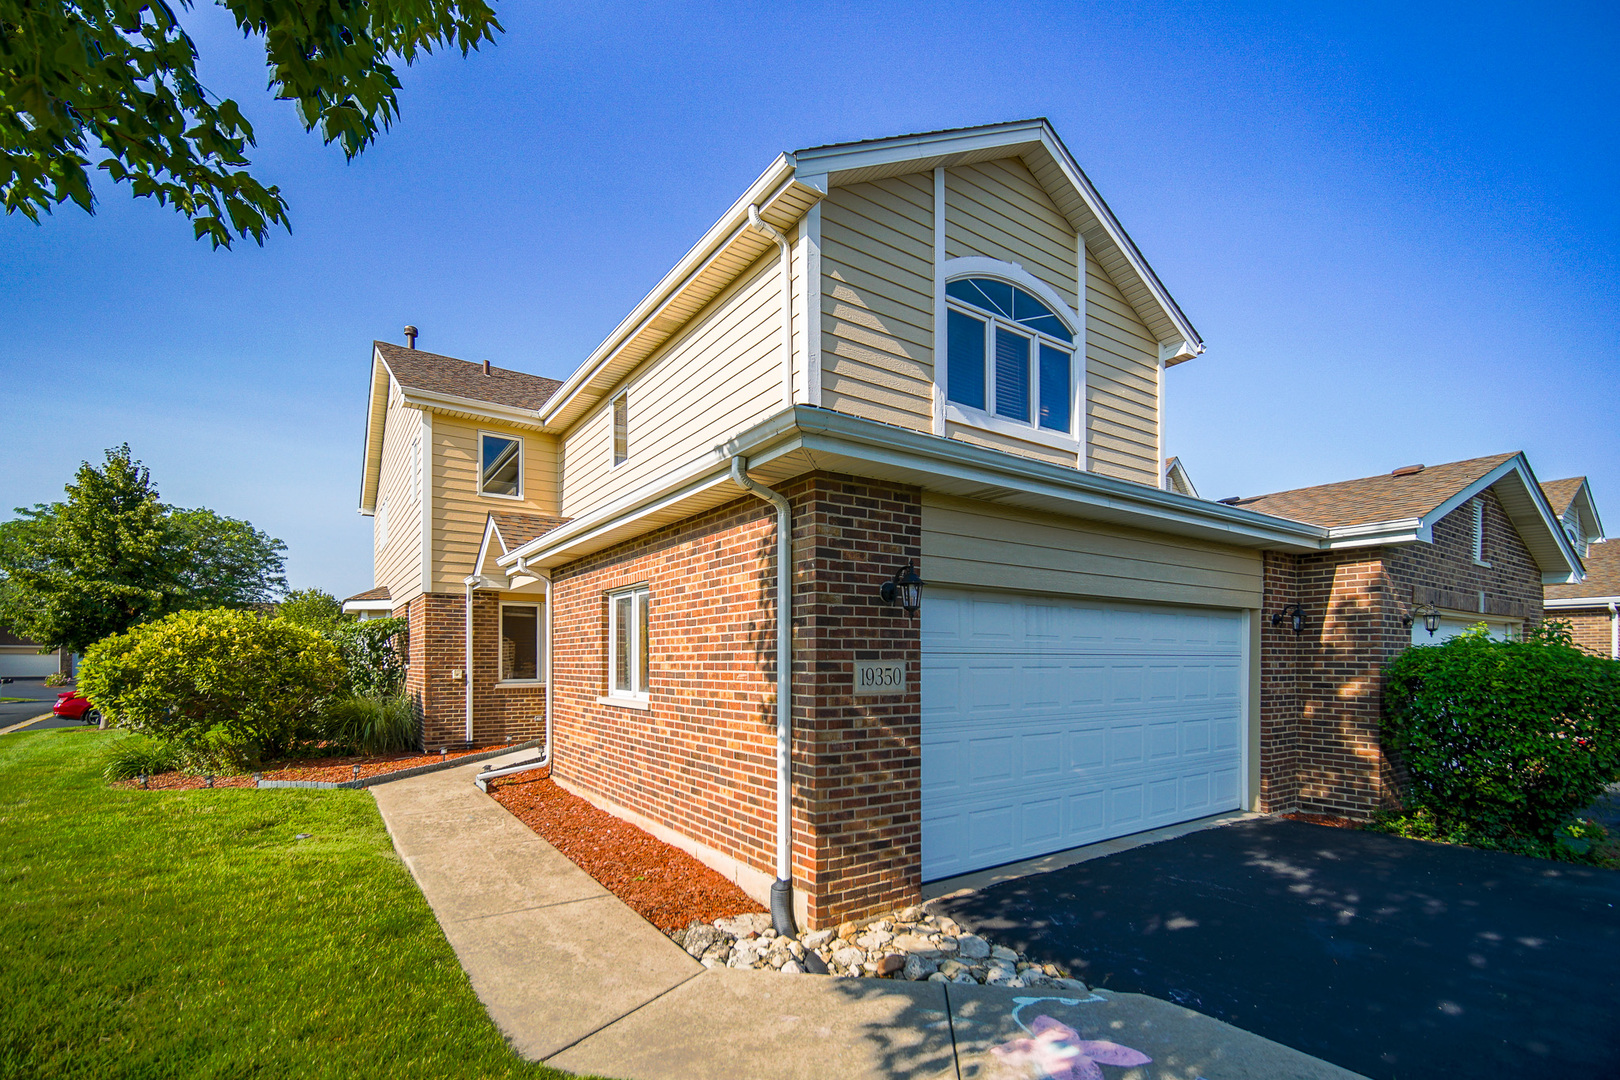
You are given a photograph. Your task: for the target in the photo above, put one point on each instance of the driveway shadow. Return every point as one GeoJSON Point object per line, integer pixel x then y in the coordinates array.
{"type": "Point", "coordinates": [1390, 957]}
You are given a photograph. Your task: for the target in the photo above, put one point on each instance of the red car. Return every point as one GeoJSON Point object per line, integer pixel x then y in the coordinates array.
{"type": "Point", "coordinates": [75, 706]}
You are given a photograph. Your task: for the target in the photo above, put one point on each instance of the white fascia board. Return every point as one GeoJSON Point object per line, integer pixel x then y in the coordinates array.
{"type": "Point", "coordinates": [374, 434]}
{"type": "Point", "coordinates": [1564, 602]}
{"type": "Point", "coordinates": [1116, 232]}
{"type": "Point", "coordinates": [879, 153]}
{"type": "Point", "coordinates": [1549, 520]}
{"type": "Point", "coordinates": [491, 531]}
{"type": "Point", "coordinates": [720, 234]}
{"type": "Point", "coordinates": [506, 414]}
{"type": "Point", "coordinates": [1375, 533]}
{"type": "Point", "coordinates": [355, 606]}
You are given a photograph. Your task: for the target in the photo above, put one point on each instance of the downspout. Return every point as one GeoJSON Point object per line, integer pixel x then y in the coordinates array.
{"type": "Point", "coordinates": [782, 887]}
{"type": "Point", "coordinates": [544, 759]}
{"type": "Point", "coordinates": [761, 225]}
{"type": "Point", "coordinates": [1614, 630]}
{"type": "Point", "coordinates": [467, 672]}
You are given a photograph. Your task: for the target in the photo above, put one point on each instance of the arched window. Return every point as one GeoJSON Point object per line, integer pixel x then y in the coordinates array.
{"type": "Point", "coordinates": [1008, 354]}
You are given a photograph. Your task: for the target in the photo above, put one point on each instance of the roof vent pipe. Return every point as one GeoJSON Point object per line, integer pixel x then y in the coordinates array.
{"type": "Point", "coordinates": [410, 337]}
{"type": "Point", "coordinates": [486, 369]}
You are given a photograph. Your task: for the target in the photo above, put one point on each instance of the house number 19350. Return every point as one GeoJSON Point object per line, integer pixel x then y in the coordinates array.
{"type": "Point", "coordinates": [879, 678]}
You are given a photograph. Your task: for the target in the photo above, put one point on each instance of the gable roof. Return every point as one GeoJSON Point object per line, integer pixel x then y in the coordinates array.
{"type": "Point", "coordinates": [1575, 494]}
{"type": "Point", "coordinates": [414, 369]}
{"type": "Point", "coordinates": [1402, 507]}
{"type": "Point", "coordinates": [1386, 497]}
{"type": "Point", "coordinates": [796, 181]}
{"type": "Point", "coordinates": [1602, 582]}
{"type": "Point", "coordinates": [1175, 478]}
{"type": "Point", "coordinates": [505, 531]}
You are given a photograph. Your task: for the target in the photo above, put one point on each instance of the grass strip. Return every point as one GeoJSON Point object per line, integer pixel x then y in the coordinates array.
{"type": "Point", "coordinates": [189, 933]}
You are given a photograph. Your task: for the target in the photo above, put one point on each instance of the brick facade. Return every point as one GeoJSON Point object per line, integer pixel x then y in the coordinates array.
{"type": "Point", "coordinates": [700, 759]}
{"type": "Point", "coordinates": [1590, 627]}
{"type": "Point", "coordinates": [1321, 695]}
{"type": "Point", "coordinates": [437, 649]}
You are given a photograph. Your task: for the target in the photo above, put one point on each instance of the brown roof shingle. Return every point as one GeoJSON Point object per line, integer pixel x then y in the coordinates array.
{"type": "Point", "coordinates": [1560, 493]}
{"type": "Point", "coordinates": [379, 593]}
{"type": "Point", "coordinates": [518, 529]}
{"type": "Point", "coordinates": [1602, 575]}
{"type": "Point", "coordinates": [420, 370]}
{"type": "Point", "coordinates": [1374, 498]}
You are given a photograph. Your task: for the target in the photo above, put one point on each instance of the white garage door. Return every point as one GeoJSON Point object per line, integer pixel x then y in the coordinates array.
{"type": "Point", "coordinates": [1050, 723]}
{"type": "Point", "coordinates": [30, 664]}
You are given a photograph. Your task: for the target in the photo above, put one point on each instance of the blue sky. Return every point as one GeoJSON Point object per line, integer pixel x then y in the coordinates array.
{"type": "Point", "coordinates": [1396, 229]}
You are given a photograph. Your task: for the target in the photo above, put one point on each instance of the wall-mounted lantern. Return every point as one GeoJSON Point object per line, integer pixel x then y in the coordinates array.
{"type": "Point", "coordinates": [904, 589]}
{"type": "Point", "coordinates": [1294, 613]}
{"type": "Point", "coordinates": [1431, 617]}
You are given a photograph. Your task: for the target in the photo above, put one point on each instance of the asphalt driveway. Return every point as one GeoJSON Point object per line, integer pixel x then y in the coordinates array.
{"type": "Point", "coordinates": [40, 699]}
{"type": "Point", "coordinates": [1390, 957]}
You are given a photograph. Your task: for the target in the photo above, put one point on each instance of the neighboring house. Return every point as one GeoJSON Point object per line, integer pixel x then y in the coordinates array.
{"type": "Point", "coordinates": [371, 604]}
{"type": "Point", "coordinates": [1175, 478]}
{"type": "Point", "coordinates": [21, 658]}
{"type": "Point", "coordinates": [1449, 547]}
{"type": "Point", "coordinates": [1592, 607]}
{"type": "Point", "coordinates": [939, 352]}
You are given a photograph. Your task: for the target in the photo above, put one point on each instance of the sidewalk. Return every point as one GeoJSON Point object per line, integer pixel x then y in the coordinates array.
{"type": "Point", "coordinates": [574, 978]}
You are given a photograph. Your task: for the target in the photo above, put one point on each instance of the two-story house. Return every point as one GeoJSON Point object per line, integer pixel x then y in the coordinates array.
{"type": "Point", "coordinates": [905, 398]}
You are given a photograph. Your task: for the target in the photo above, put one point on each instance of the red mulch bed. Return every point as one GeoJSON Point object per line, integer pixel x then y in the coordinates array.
{"type": "Point", "coordinates": [663, 884]}
{"type": "Point", "coordinates": [1323, 819]}
{"type": "Point", "coordinates": [328, 769]}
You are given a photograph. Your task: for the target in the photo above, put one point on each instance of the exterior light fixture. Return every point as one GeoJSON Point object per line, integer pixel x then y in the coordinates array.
{"type": "Point", "coordinates": [1293, 612]}
{"type": "Point", "coordinates": [904, 589]}
{"type": "Point", "coordinates": [1431, 619]}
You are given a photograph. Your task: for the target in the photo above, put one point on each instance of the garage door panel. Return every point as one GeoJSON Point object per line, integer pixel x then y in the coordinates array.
{"type": "Point", "coordinates": [1048, 724]}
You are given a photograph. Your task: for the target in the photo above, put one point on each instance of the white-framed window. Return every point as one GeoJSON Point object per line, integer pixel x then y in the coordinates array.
{"type": "Point", "coordinates": [621, 427]}
{"type": "Point", "coordinates": [1010, 359]}
{"type": "Point", "coordinates": [500, 465]}
{"type": "Point", "coordinates": [627, 643]}
{"type": "Point", "coordinates": [523, 643]}
{"type": "Point", "coordinates": [380, 523]}
{"type": "Point", "coordinates": [1479, 533]}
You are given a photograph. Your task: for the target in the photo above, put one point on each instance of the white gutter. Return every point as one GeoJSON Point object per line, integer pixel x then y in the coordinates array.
{"type": "Point", "coordinates": [1560, 603]}
{"type": "Point", "coordinates": [759, 224]}
{"type": "Point", "coordinates": [1614, 631]}
{"type": "Point", "coordinates": [782, 887]}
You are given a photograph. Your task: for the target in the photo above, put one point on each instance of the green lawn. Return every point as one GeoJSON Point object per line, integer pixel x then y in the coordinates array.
{"type": "Point", "coordinates": [153, 934]}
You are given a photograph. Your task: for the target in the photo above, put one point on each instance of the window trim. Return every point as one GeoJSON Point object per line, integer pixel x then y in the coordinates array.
{"type": "Point", "coordinates": [641, 597]}
{"type": "Point", "coordinates": [478, 466]}
{"type": "Point", "coordinates": [623, 396]}
{"type": "Point", "coordinates": [954, 412]}
{"type": "Point", "coordinates": [539, 607]}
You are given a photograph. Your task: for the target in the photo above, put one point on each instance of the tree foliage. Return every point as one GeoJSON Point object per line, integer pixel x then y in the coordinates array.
{"type": "Point", "coordinates": [314, 608]}
{"type": "Point", "coordinates": [117, 79]}
{"type": "Point", "coordinates": [113, 556]}
{"type": "Point", "coordinates": [1505, 741]}
{"type": "Point", "coordinates": [372, 654]}
{"type": "Point", "coordinates": [231, 685]}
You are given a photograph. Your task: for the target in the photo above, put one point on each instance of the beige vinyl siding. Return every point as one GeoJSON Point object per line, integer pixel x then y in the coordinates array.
{"type": "Point", "coordinates": [997, 440]}
{"type": "Point", "coordinates": [1000, 211]}
{"type": "Point", "coordinates": [459, 512]}
{"type": "Point", "coordinates": [877, 302]}
{"type": "Point", "coordinates": [1122, 384]}
{"type": "Point", "coordinates": [719, 376]}
{"type": "Point", "coordinates": [398, 564]}
{"type": "Point", "coordinates": [980, 544]}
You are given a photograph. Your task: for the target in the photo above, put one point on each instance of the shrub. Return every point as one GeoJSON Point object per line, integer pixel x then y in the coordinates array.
{"type": "Point", "coordinates": [372, 724]}
{"type": "Point", "coordinates": [1505, 742]}
{"type": "Point", "coordinates": [56, 678]}
{"type": "Point", "coordinates": [373, 661]}
{"type": "Point", "coordinates": [133, 755]}
{"type": "Point", "coordinates": [222, 685]}
{"type": "Point", "coordinates": [314, 608]}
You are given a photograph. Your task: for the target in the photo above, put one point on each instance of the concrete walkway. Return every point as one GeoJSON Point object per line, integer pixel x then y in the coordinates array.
{"type": "Point", "coordinates": [576, 979]}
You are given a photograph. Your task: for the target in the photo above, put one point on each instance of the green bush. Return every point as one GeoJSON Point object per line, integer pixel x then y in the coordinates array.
{"type": "Point", "coordinates": [132, 755]}
{"type": "Point", "coordinates": [1505, 742]}
{"type": "Point", "coordinates": [373, 659]}
{"type": "Point", "coordinates": [314, 608]}
{"type": "Point", "coordinates": [372, 724]}
{"type": "Point", "coordinates": [223, 686]}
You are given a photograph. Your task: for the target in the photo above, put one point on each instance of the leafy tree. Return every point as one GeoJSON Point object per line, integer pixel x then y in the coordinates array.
{"type": "Point", "coordinates": [314, 608]}
{"type": "Point", "coordinates": [117, 79]}
{"type": "Point", "coordinates": [113, 556]}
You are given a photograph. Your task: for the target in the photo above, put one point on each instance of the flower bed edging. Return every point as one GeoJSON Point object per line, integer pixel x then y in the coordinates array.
{"type": "Point", "coordinates": [402, 774]}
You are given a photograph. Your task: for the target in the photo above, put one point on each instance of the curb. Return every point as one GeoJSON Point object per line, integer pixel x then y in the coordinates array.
{"type": "Point", "coordinates": [402, 774]}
